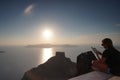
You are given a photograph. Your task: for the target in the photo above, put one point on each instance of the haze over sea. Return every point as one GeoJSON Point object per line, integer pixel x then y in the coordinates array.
{"type": "Point", "coordinates": [74, 22]}
{"type": "Point", "coordinates": [17, 60]}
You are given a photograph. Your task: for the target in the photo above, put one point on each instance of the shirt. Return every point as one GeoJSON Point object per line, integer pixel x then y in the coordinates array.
{"type": "Point", "coordinates": [112, 60]}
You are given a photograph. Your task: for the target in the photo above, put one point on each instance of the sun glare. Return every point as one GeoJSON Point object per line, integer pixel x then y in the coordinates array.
{"type": "Point", "coordinates": [47, 34]}
{"type": "Point", "coordinates": [47, 53]}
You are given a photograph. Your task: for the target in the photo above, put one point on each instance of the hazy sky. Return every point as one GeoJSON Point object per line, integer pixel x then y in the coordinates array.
{"type": "Point", "coordinates": [22, 22]}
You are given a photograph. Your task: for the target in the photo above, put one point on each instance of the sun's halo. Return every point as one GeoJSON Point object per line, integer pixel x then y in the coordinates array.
{"type": "Point", "coordinates": [47, 34]}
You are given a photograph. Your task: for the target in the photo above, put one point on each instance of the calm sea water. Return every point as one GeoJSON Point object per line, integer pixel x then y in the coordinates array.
{"type": "Point", "coordinates": [17, 60]}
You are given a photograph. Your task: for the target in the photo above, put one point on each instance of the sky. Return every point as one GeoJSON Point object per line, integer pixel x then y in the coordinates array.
{"type": "Point", "coordinates": [23, 22]}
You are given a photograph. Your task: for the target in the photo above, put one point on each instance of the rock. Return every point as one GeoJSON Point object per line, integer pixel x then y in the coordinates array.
{"type": "Point", "coordinates": [56, 68]}
{"type": "Point", "coordinates": [84, 62]}
{"type": "Point", "coordinates": [94, 75]}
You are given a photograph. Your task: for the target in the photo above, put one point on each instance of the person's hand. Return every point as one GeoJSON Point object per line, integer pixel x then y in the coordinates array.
{"type": "Point", "coordinates": [95, 63]}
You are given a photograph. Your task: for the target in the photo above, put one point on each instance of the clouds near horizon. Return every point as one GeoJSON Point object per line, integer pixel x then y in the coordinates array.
{"type": "Point", "coordinates": [118, 25]}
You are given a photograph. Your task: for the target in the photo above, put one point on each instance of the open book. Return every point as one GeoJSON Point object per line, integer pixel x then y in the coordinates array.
{"type": "Point", "coordinates": [94, 49]}
{"type": "Point", "coordinates": [97, 53]}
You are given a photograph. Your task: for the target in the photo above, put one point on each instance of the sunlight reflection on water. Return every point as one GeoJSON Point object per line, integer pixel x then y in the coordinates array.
{"type": "Point", "coordinates": [46, 54]}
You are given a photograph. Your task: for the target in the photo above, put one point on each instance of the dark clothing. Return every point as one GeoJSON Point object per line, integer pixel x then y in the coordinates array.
{"type": "Point", "coordinates": [112, 60]}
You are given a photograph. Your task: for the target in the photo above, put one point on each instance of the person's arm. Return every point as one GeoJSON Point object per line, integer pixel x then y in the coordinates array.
{"type": "Point", "coordinates": [103, 60]}
{"type": "Point", "coordinates": [101, 65]}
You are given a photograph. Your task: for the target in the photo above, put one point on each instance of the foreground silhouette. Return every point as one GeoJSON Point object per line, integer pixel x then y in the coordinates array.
{"type": "Point", "coordinates": [110, 60]}
{"type": "Point", "coordinates": [84, 62]}
{"type": "Point", "coordinates": [56, 68]}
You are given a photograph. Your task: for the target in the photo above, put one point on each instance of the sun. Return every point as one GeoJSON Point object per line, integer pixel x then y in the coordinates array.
{"type": "Point", "coordinates": [47, 34]}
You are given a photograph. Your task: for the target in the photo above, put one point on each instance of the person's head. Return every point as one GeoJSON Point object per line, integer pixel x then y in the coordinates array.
{"type": "Point", "coordinates": [107, 43]}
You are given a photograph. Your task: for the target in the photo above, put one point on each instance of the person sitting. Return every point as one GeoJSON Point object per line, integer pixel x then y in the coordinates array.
{"type": "Point", "coordinates": [110, 60]}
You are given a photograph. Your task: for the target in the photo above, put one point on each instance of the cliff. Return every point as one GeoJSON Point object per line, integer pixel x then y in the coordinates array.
{"type": "Point", "coordinates": [61, 68]}
{"type": "Point", "coordinates": [56, 68]}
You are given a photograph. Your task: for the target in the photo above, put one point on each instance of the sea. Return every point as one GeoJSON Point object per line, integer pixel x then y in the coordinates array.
{"type": "Point", "coordinates": [16, 60]}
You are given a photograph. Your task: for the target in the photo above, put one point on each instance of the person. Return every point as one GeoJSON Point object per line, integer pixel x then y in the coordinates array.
{"type": "Point", "coordinates": [110, 60]}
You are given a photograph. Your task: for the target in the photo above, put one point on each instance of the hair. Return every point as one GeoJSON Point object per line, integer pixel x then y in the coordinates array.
{"type": "Point", "coordinates": [108, 41]}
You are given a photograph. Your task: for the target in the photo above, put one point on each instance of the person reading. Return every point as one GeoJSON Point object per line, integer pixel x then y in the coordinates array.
{"type": "Point", "coordinates": [110, 60]}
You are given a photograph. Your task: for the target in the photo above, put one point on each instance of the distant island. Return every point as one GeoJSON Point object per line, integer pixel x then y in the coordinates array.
{"type": "Point", "coordinates": [2, 51]}
{"type": "Point", "coordinates": [51, 45]}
